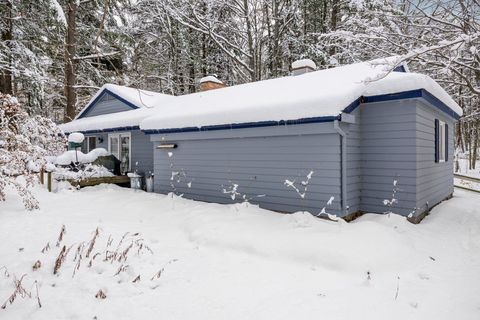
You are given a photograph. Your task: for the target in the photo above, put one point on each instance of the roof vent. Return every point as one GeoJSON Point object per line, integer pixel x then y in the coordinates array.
{"type": "Point", "coordinates": [210, 83]}
{"type": "Point", "coordinates": [303, 66]}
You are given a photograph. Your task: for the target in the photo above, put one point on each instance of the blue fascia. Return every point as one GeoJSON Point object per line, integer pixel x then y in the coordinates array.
{"type": "Point", "coordinates": [101, 95]}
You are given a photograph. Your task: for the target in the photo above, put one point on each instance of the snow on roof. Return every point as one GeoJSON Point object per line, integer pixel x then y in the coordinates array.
{"type": "Point", "coordinates": [138, 97]}
{"type": "Point", "coordinates": [304, 63]}
{"type": "Point", "coordinates": [210, 79]}
{"type": "Point", "coordinates": [109, 121]}
{"type": "Point", "coordinates": [315, 94]}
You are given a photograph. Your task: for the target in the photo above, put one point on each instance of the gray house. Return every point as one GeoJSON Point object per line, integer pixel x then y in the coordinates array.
{"type": "Point", "coordinates": [345, 140]}
{"type": "Point", "coordinates": [111, 120]}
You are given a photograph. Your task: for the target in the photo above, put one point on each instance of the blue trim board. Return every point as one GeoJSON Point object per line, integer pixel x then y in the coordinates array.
{"type": "Point", "coordinates": [100, 96]}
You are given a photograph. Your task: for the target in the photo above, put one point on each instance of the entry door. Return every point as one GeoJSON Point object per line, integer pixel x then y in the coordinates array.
{"type": "Point", "coordinates": [119, 145]}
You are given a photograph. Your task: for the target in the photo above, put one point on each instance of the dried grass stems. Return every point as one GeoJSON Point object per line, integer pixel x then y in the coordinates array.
{"type": "Point", "coordinates": [113, 253]}
{"type": "Point", "coordinates": [160, 272]}
{"type": "Point", "coordinates": [21, 292]}
{"type": "Point", "coordinates": [128, 245]}
{"type": "Point", "coordinates": [63, 231]}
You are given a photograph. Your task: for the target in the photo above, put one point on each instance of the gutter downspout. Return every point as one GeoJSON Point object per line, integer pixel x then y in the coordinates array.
{"type": "Point", "coordinates": [343, 152]}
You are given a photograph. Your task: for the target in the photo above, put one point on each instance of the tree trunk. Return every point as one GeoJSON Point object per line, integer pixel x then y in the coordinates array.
{"type": "Point", "coordinates": [7, 37]}
{"type": "Point", "coordinates": [475, 144]}
{"type": "Point", "coordinates": [251, 50]}
{"type": "Point", "coordinates": [70, 44]}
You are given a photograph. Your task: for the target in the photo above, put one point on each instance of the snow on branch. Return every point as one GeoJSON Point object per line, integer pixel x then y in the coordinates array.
{"type": "Point", "coordinates": [25, 142]}
{"type": "Point", "coordinates": [97, 55]}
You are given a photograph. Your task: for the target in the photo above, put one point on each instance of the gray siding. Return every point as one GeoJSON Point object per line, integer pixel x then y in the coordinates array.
{"type": "Point", "coordinates": [142, 152]}
{"type": "Point", "coordinates": [388, 153]}
{"type": "Point", "coordinates": [105, 105]}
{"type": "Point", "coordinates": [389, 141]}
{"type": "Point", "coordinates": [434, 180]}
{"type": "Point", "coordinates": [396, 141]}
{"type": "Point", "coordinates": [258, 164]}
{"type": "Point", "coordinates": [354, 164]}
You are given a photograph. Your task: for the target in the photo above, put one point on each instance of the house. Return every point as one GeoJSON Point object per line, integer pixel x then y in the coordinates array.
{"type": "Point", "coordinates": [348, 140]}
{"type": "Point", "coordinates": [111, 120]}
{"type": "Point", "coordinates": [345, 140]}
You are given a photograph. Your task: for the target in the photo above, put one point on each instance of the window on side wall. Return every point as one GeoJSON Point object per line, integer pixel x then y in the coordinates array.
{"type": "Point", "coordinates": [441, 141]}
{"type": "Point", "coordinates": [89, 144]}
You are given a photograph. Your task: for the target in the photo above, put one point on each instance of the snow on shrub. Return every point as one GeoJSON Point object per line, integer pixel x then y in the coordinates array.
{"type": "Point", "coordinates": [89, 171]}
{"type": "Point", "coordinates": [25, 142]}
{"type": "Point", "coordinates": [70, 156]}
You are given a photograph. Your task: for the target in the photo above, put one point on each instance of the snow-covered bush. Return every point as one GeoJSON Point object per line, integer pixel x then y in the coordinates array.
{"type": "Point", "coordinates": [70, 156]}
{"type": "Point", "coordinates": [25, 141]}
{"type": "Point", "coordinates": [88, 171]}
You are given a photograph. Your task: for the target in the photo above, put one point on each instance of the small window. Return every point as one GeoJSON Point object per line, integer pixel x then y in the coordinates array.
{"type": "Point", "coordinates": [441, 141]}
{"type": "Point", "coordinates": [92, 143]}
{"type": "Point", "coordinates": [89, 144]}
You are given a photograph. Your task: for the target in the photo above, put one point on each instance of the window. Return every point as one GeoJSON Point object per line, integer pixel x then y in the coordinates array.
{"type": "Point", "coordinates": [441, 141]}
{"type": "Point", "coordinates": [89, 144]}
{"type": "Point", "coordinates": [119, 145]}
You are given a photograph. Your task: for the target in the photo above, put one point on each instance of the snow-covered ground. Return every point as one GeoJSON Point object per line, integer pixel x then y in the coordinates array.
{"type": "Point", "coordinates": [210, 261]}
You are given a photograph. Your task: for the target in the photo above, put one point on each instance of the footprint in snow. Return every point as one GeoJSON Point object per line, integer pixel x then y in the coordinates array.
{"type": "Point", "coordinates": [424, 276]}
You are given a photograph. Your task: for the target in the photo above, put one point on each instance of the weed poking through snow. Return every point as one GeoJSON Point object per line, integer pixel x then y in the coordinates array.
{"type": "Point", "coordinates": [160, 272]}
{"type": "Point", "coordinates": [63, 231]}
{"type": "Point", "coordinates": [129, 246]}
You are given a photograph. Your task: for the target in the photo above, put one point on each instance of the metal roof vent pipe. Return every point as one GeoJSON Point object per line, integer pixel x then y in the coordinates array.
{"type": "Point", "coordinates": [210, 83]}
{"type": "Point", "coordinates": [303, 66]}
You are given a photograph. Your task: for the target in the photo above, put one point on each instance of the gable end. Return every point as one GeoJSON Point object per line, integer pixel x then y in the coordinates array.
{"type": "Point", "coordinates": [106, 102]}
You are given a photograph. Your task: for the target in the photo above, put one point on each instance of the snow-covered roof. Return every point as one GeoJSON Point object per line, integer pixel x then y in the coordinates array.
{"type": "Point", "coordinates": [315, 94]}
{"type": "Point", "coordinates": [109, 121]}
{"type": "Point", "coordinates": [210, 79]}
{"type": "Point", "coordinates": [324, 93]}
{"type": "Point", "coordinates": [304, 63]}
{"type": "Point", "coordinates": [137, 97]}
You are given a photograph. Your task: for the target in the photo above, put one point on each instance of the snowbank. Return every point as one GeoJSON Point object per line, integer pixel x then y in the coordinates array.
{"type": "Point", "coordinates": [238, 261]}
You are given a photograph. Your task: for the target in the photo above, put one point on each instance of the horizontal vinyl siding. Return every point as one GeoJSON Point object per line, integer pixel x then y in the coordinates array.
{"type": "Point", "coordinates": [434, 180]}
{"type": "Point", "coordinates": [259, 165]}
{"type": "Point", "coordinates": [388, 153]}
{"type": "Point", "coordinates": [106, 106]}
{"type": "Point", "coordinates": [142, 152]}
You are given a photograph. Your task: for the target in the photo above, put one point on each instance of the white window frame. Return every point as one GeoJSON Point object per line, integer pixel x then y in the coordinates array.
{"type": "Point", "coordinates": [119, 136]}
{"type": "Point", "coordinates": [441, 141]}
